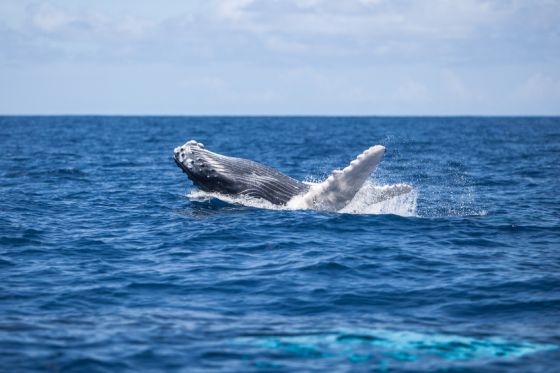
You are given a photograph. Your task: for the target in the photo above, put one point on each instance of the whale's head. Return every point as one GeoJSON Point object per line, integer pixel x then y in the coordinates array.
{"type": "Point", "coordinates": [204, 168]}
{"type": "Point", "coordinates": [212, 172]}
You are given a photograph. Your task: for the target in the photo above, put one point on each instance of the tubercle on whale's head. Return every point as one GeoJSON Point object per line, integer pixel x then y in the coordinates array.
{"type": "Point", "coordinates": [193, 159]}
{"type": "Point", "coordinates": [187, 151]}
{"type": "Point", "coordinates": [203, 167]}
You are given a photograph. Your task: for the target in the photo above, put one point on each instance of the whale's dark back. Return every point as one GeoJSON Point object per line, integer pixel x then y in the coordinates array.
{"type": "Point", "coordinates": [212, 172]}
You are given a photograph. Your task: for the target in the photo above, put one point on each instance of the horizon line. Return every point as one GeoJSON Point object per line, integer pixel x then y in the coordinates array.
{"type": "Point", "coordinates": [296, 115]}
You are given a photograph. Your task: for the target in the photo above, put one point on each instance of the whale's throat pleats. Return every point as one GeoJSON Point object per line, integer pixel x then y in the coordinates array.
{"type": "Point", "coordinates": [242, 176]}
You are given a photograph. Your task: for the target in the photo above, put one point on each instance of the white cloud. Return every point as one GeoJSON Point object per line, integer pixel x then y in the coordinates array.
{"type": "Point", "coordinates": [411, 90]}
{"type": "Point", "coordinates": [48, 18]}
{"type": "Point", "coordinates": [379, 31]}
{"type": "Point", "coordinates": [134, 26]}
{"type": "Point", "coordinates": [302, 53]}
{"type": "Point", "coordinates": [455, 86]}
{"type": "Point", "coordinates": [232, 9]}
{"type": "Point", "coordinates": [92, 26]}
{"type": "Point", "coordinates": [307, 3]}
{"type": "Point", "coordinates": [539, 86]}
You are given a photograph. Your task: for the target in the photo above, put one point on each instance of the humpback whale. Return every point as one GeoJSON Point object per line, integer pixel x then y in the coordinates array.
{"type": "Point", "coordinates": [216, 173]}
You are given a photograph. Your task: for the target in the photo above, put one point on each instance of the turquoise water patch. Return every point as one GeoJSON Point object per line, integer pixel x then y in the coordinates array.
{"type": "Point", "coordinates": [386, 346]}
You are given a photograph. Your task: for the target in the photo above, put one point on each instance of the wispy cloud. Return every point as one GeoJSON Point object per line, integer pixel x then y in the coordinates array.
{"type": "Point", "coordinates": [382, 51]}
{"type": "Point", "coordinates": [539, 86]}
{"type": "Point", "coordinates": [377, 29]}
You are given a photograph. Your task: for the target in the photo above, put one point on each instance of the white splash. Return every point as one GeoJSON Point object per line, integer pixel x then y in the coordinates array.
{"type": "Point", "coordinates": [334, 193]}
{"type": "Point", "coordinates": [396, 199]}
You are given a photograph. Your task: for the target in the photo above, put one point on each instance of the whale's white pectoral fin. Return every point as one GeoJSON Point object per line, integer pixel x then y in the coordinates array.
{"type": "Point", "coordinates": [342, 185]}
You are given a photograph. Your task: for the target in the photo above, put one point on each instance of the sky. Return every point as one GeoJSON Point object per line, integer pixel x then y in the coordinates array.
{"type": "Point", "coordinates": [280, 57]}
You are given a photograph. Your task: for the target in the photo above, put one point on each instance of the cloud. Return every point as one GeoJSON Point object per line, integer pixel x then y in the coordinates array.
{"type": "Point", "coordinates": [539, 86]}
{"type": "Point", "coordinates": [311, 55]}
{"type": "Point", "coordinates": [232, 9]}
{"type": "Point", "coordinates": [411, 90]}
{"type": "Point", "coordinates": [48, 18]}
{"type": "Point", "coordinates": [382, 31]}
{"type": "Point", "coordinates": [63, 24]}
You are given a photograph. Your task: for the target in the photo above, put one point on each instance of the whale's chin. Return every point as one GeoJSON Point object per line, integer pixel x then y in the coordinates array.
{"type": "Point", "coordinates": [196, 179]}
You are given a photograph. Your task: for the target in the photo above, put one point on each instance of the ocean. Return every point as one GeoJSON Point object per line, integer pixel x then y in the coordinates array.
{"type": "Point", "coordinates": [111, 261]}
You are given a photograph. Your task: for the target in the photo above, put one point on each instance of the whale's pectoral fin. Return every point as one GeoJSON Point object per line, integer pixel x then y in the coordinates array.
{"type": "Point", "coordinates": [339, 188]}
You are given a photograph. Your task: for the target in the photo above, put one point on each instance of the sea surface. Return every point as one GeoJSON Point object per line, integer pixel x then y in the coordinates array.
{"type": "Point", "coordinates": [111, 261]}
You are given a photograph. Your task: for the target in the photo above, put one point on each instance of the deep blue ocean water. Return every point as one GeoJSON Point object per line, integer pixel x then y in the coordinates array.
{"type": "Point", "coordinates": [107, 264]}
